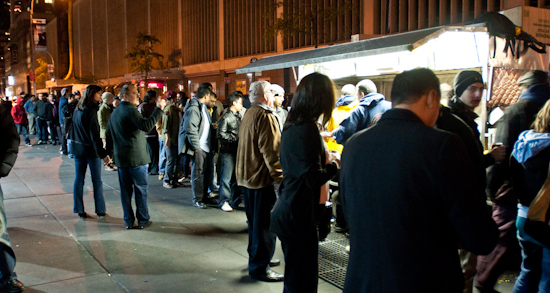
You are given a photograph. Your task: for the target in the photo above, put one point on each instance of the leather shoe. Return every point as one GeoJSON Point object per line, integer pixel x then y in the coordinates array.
{"type": "Point", "coordinates": [199, 205]}
{"type": "Point", "coordinates": [274, 262]}
{"type": "Point", "coordinates": [269, 276]}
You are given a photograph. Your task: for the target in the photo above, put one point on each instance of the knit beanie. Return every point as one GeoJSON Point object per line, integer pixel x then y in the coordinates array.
{"type": "Point", "coordinates": [106, 97]}
{"type": "Point", "coordinates": [533, 77]}
{"type": "Point", "coordinates": [464, 79]}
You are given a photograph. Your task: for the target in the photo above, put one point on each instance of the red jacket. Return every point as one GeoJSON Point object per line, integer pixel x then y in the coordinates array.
{"type": "Point", "coordinates": [18, 112]}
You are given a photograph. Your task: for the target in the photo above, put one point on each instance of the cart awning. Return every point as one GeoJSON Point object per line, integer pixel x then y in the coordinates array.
{"type": "Point", "coordinates": [387, 44]}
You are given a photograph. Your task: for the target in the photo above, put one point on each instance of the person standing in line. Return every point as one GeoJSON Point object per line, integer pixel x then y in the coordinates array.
{"type": "Point", "coordinates": [279, 93]}
{"type": "Point", "coordinates": [170, 129]}
{"type": "Point", "coordinates": [42, 109]}
{"type": "Point", "coordinates": [126, 135]}
{"type": "Point", "coordinates": [88, 150]}
{"type": "Point", "coordinates": [53, 120]}
{"type": "Point", "coordinates": [257, 170]}
{"type": "Point", "coordinates": [529, 172]}
{"type": "Point", "coordinates": [517, 118]}
{"type": "Point", "coordinates": [196, 141]}
{"type": "Point", "coordinates": [306, 169]}
{"type": "Point", "coordinates": [9, 147]}
{"type": "Point", "coordinates": [31, 118]}
{"type": "Point", "coordinates": [62, 127]}
{"type": "Point", "coordinates": [20, 118]}
{"type": "Point", "coordinates": [228, 136]}
{"type": "Point", "coordinates": [146, 109]}
{"type": "Point", "coordinates": [420, 188]}
{"type": "Point", "coordinates": [103, 115]}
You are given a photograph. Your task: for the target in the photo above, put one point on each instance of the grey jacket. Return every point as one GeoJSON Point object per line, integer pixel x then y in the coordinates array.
{"type": "Point", "coordinates": [191, 128]}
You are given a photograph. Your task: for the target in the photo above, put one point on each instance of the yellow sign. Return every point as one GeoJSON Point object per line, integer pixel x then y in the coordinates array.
{"type": "Point", "coordinates": [241, 86]}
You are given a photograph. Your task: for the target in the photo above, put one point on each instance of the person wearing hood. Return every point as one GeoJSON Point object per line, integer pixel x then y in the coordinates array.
{"type": "Point", "coordinates": [103, 115]}
{"type": "Point", "coordinates": [529, 170]}
{"type": "Point", "coordinates": [20, 118]}
{"type": "Point", "coordinates": [345, 104]}
{"type": "Point", "coordinates": [517, 118]}
{"type": "Point", "coordinates": [371, 107]}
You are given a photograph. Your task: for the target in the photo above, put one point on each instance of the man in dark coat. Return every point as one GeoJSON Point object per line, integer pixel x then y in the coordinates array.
{"type": "Point", "coordinates": [9, 147]}
{"type": "Point", "coordinates": [415, 198]}
{"type": "Point", "coordinates": [126, 130]}
{"type": "Point", "coordinates": [517, 118]}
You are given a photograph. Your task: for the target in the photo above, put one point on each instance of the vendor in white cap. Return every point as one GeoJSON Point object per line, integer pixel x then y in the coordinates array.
{"type": "Point", "coordinates": [279, 94]}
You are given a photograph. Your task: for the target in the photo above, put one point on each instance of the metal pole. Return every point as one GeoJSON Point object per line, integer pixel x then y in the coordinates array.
{"type": "Point", "coordinates": [33, 90]}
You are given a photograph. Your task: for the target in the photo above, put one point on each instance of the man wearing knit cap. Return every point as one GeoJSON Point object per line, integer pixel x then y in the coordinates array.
{"type": "Point", "coordinates": [517, 118]}
{"type": "Point", "coordinates": [103, 115]}
{"type": "Point", "coordinates": [468, 86]}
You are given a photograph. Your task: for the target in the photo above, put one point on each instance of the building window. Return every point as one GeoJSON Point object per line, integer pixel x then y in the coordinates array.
{"type": "Point", "coordinates": [48, 1]}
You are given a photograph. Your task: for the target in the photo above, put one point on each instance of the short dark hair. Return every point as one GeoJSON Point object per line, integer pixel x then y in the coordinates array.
{"type": "Point", "coordinates": [125, 90]}
{"type": "Point", "coordinates": [202, 92]}
{"type": "Point", "coordinates": [314, 97]}
{"type": "Point", "coordinates": [150, 95]}
{"type": "Point", "coordinates": [206, 84]}
{"type": "Point", "coordinates": [409, 86]}
{"type": "Point", "coordinates": [234, 96]}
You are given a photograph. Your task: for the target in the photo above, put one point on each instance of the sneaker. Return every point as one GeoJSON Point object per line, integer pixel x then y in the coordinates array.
{"type": "Point", "coordinates": [161, 176]}
{"type": "Point", "coordinates": [109, 168]}
{"type": "Point", "coordinates": [40, 142]}
{"type": "Point", "coordinates": [13, 285]}
{"type": "Point", "coordinates": [83, 215]}
{"type": "Point", "coordinates": [184, 180]}
{"type": "Point", "coordinates": [167, 185]}
{"type": "Point", "coordinates": [226, 207]}
{"type": "Point", "coordinates": [28, 144]}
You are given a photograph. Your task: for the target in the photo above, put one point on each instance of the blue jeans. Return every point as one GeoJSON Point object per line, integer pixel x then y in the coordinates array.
{"type": "Point", "coordinates": [162, 157]}
{"type": "Point", "coordinates": [134, 179]}
{"type": "Point", "coordinates": [81, 164]}
{"type": "Point", "coordinates": [22, 130]}
{"type": "Point", "coordinates": [535, 264]}
{"type": "Point", "coordinates": [153, 144]}
{"type": "Point", "coordinates": [229, 191]}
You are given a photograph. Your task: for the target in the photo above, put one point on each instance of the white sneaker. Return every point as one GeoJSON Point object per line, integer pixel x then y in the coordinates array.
{"type": "Point", "coordinates": [226, 207]}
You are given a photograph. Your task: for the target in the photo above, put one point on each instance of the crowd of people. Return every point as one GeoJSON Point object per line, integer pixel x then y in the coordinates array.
{"type": "Point", "coordinates": [413, 175]}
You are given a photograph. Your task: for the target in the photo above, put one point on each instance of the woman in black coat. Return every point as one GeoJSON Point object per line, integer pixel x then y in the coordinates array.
{"type": "Point", "coordinates": [303, 156]}
{"type": "Point", "coordinates": [87, 148]}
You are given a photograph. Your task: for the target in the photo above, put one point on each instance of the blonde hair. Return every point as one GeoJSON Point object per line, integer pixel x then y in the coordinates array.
{"type": "Point", "coordinates": [542, 122]}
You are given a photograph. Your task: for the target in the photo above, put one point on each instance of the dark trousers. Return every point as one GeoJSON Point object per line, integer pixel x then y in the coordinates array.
{"type": "Point", "coordinates": [201, 163]}
{"type": "Point", "coordinates": [53, 130]}
{"type": "Point", "coordinates": [22, 130]}
{"type": "Point", "coordinates": [172, 159]}
{"type": "Point", "coordinates": [301, 262]}
{"type": "Point", "coordinates": [153, 144]}
{"type": "Point", "coordinates": [42, 129]}
{"type": "Point", "coordinates": [63, 138]}
{"type": "Point", "coordinates": [261, 241]}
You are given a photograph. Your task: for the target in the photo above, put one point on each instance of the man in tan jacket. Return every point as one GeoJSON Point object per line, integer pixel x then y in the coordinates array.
{"type": "Point", "coordinates": [257, 169]}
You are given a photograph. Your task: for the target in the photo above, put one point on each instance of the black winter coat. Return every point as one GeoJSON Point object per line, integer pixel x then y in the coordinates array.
{"type": "Point", "coordinates": [410, 194]}
{"type": "Point", "coordinates": [85, 134]}
{"type": "Point", "coordinates": [302, 156]}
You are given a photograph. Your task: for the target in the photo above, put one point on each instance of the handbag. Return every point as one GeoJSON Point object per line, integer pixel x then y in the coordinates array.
{"type": "Point", "coordinates": [538, 218]}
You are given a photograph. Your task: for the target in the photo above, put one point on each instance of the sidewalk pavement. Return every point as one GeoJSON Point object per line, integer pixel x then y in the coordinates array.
{"type": "Point", "coordinates": [184, 250]}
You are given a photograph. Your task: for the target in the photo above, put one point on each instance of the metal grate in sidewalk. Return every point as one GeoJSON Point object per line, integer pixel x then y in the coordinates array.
{"type": "Point", "coordinates": [333, 259]}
